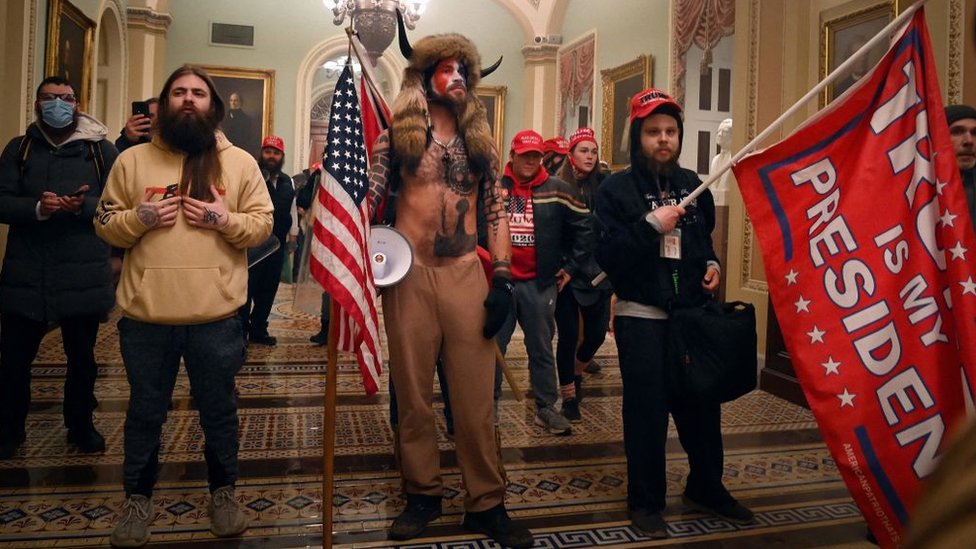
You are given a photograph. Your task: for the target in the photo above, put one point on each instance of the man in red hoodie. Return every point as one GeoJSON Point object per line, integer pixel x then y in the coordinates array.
{"type": "Point", "coordinates": [551, 236]}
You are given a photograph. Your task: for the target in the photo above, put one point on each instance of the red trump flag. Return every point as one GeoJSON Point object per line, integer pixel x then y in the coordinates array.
{"type": "Point", "coordinates": [865, 235]}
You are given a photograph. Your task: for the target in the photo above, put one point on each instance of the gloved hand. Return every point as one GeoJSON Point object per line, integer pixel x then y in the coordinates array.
{"type": "Point", "coordinates": [498, 305]}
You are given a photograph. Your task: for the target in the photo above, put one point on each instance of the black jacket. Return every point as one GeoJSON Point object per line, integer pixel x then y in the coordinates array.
{"type": "Point", "coordinates": [629, 248]}
{"type": "Point", "coordinates": [563, 233]}
{"type": "Point", "coordinates": [586, 192]}
{"type": "Point", "coordinates": [282, 195]}
{"type": "Point", "coordinates": [55, 268]}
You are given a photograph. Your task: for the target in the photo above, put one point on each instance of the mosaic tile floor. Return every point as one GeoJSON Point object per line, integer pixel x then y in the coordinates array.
{"type": "Point", "coordinates": [570, 490]}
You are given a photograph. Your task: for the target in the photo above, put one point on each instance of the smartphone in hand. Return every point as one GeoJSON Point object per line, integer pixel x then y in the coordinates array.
{"type": "Point", "coordinates": [78, 193]}
{"type": "Point", "coordinates": [140, 107]}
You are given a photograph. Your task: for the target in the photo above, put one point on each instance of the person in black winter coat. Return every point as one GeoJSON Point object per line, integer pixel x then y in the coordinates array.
{"type": "Point", "coordinates": [55, 270]}
{"type": "Point", "coordinates": [659, 257]}
{"type": "Point", "coordinates": [580, 299]}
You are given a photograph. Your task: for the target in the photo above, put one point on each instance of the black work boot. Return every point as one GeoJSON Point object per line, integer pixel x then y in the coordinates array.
{"type": "Point", "coordinates": [413, 520]}
{"type": "Point", "coordinates": [496, 524]}
{"type": "Point", "coordinates": [86, 438]}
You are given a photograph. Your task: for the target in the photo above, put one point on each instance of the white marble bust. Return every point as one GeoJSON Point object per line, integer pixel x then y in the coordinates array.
{"type": "Point", "coordinates": [723, 136]}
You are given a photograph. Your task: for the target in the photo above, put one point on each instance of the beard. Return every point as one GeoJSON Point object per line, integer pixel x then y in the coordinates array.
{"type": "Point", "coordinates": [271, 166]}
{"type": "Point", "coordinates": [662, 168]}
{"type": "Point", "coordinates": [190, 133]}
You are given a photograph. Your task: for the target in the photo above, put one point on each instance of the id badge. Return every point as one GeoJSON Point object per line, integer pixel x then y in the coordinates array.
{"type": "Point", "coordinates": [671, 245]}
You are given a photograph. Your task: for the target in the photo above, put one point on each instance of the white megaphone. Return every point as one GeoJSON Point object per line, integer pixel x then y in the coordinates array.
{"type": "Point", "coordinates": [390, 254]}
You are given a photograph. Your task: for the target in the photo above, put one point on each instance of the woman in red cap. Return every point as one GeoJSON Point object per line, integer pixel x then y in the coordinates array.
{"type": "Point", "coordinates": [574, 351]}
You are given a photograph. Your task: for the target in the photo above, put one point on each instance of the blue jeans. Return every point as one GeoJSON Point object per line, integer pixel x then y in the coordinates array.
{"type": "Point", "coordinates": [213, 354]}
{"type": "Point", "coordinates": [534, 310]}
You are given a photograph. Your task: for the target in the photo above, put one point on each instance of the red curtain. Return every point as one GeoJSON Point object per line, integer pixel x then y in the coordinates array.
{"type": "Point", "coordinates": [575, 76]}
{"type": "Point", "coordinates": [702, 23]}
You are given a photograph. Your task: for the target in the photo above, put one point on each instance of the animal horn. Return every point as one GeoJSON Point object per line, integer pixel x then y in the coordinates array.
{"type": "Point", "coordinates": [488, 70]}
{"type": "Point", "coordinates": [405, 48]}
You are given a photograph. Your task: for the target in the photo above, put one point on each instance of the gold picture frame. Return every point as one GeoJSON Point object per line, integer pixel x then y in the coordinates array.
{"type": "Point", "coordinates": [493, 98]}
{"type": "Point", "coordinates": [70, 44]}
{"type": "Point", "coordinates": [619, 85]}
{"type": "Point", "coordinates": [253, 88]}
{"type": "Point", "coordinates": [842, 34]}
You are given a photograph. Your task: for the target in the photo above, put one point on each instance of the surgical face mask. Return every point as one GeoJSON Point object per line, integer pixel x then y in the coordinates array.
{"type": "Point", "coordinates": [57, 113]}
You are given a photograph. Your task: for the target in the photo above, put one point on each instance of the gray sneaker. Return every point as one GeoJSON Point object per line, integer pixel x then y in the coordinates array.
{"type": "Point", "coordinates": [133, 529]}
{"type": "Point", "coordinates": [554, 422]}
{"type": "Point", "coordinates": [226, 517]}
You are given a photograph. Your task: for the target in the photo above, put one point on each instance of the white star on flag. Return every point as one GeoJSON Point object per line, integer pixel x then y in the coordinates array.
{"type": "Point", "coordinates": [939, 185]}
{"type": "Point", "coordinates": [958, 252]}
{"type": "Point", "coordinates": [791, 277]}
{"type": "Point", "coordinates": [816, 335]}
{"type": "Point", "coordinates": [968, 287]}
{"type": "Point", "coordinates": [801, 305]}
{"type": "Point", "coordinates": [831, 365]}
{"type": "Point", "coordinates": [846, 398]}
{"type": "Point", "coordinates": [947, 219]}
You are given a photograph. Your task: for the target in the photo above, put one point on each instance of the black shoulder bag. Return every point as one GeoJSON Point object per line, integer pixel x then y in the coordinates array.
{"type": "Point", "coordinates": [712, 351]}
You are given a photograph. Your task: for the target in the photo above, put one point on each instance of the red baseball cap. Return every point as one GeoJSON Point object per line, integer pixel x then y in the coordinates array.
{"type": "Point", "coordinates": [527, 141]}
{"type": "Point", "coordinates": [274, 142]}
{"type": "Point", "coordinates": [648, 101]}
{"type": "Point", "coordinates": [582, 134]}
{"type": "Point", "coordinates": [557, 145]}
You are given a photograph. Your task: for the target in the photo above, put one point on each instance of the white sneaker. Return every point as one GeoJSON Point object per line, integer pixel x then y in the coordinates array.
{"type": "Point", "coordinates": [554, 422]}
{"type": "Point", "coordinates": [133, 529]}
{"type": "Point", "coordinates": [226, 517]}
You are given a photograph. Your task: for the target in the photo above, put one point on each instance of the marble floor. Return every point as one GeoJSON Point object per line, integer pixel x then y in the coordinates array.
{"type": "Point", "coordinates": [570, 490]}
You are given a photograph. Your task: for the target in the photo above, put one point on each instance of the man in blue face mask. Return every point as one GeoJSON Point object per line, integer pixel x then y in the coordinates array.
{"type": "Point", "coordinates": [55, 270]}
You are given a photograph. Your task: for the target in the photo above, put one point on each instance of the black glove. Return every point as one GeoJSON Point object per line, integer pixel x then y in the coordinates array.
{"type": "Point", "coordinates": [498, 305]}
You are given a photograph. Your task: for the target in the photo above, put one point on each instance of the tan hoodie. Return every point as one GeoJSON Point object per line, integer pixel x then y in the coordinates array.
{"type": "Point", "coordinates": [182, 274]}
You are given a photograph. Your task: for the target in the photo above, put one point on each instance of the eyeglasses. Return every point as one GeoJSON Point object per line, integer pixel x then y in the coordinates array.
{"type": "Point", "coordinates": [66, 97]}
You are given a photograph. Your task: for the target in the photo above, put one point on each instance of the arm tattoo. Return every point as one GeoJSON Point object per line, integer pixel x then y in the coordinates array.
{"type": "Point", "coordinates": [496, 217]}
{"type": "Point", "coordinates": [148, 215]}
{"type": "Point", "coordinates": [211, 217]}
{"type": "Point", "coordinates": [379, 172]}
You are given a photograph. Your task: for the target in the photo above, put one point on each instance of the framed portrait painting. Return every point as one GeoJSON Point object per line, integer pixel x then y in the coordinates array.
{"type": "Point", "coordinates": [842, 35]}
{"type": "Point", "coordinates": [619, 85]}
{"type": "Point", "coordinates": [70, 41]}
{"type": "Point", "coordinates": [248, 96]}
{"type": "Point", "coordinates": [493, 97]}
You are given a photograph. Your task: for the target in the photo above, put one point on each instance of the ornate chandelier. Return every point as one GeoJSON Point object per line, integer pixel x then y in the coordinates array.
{"type": "Point", "coordinates": [375, 20]}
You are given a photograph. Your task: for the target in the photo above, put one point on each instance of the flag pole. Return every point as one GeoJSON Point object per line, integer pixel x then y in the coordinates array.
{"type": "Point", "coordinates": [328, 425]}
{"type": "Point", "coordinates": [834, 75]}
{"type": "Point", "coordinates": [364, 62]}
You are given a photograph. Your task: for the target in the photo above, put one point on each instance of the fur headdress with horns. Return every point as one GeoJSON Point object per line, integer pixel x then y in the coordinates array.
{"type": "Point", "coordinates": [410, 115]}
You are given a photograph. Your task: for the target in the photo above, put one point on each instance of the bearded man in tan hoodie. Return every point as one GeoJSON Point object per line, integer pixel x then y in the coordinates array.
{"type": "Point", "coordinates": [185, 207]}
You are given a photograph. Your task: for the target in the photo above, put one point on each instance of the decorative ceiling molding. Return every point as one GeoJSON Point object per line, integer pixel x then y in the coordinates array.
{"type": "Point", "coordinates": [540, 53]}
{"type": "Point", "coordinates": [147, 19]}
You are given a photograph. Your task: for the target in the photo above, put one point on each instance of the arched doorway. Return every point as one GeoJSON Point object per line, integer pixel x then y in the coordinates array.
{"type": "Point", "coordinates": [108, 103]}
{"type": "Point", "coordinates": [314, 80]}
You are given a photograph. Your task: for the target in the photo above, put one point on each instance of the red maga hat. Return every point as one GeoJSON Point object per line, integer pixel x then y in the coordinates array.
{"type": "Point", "coordinates": [274, 142]}
{"type": "Point", "coordinates": [582, 134]}
{"type": "Point", "coordinates": [527, 141]}
{"type": "Point", "coordinates": [557, 145]}
{"type": "Point", "coordinates": [648, 101]}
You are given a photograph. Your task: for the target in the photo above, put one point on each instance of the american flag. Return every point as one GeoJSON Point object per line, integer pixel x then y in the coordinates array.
{"type": "Point", "coordinates": [339, 251]}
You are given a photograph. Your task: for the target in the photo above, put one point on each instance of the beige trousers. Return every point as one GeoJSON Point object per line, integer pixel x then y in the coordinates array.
{"type": "Point", "coordinates": [439, 312]}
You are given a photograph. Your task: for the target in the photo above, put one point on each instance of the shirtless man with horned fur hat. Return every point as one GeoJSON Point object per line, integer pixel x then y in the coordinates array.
{"type": "Point", "coordinates": [440, 164]}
